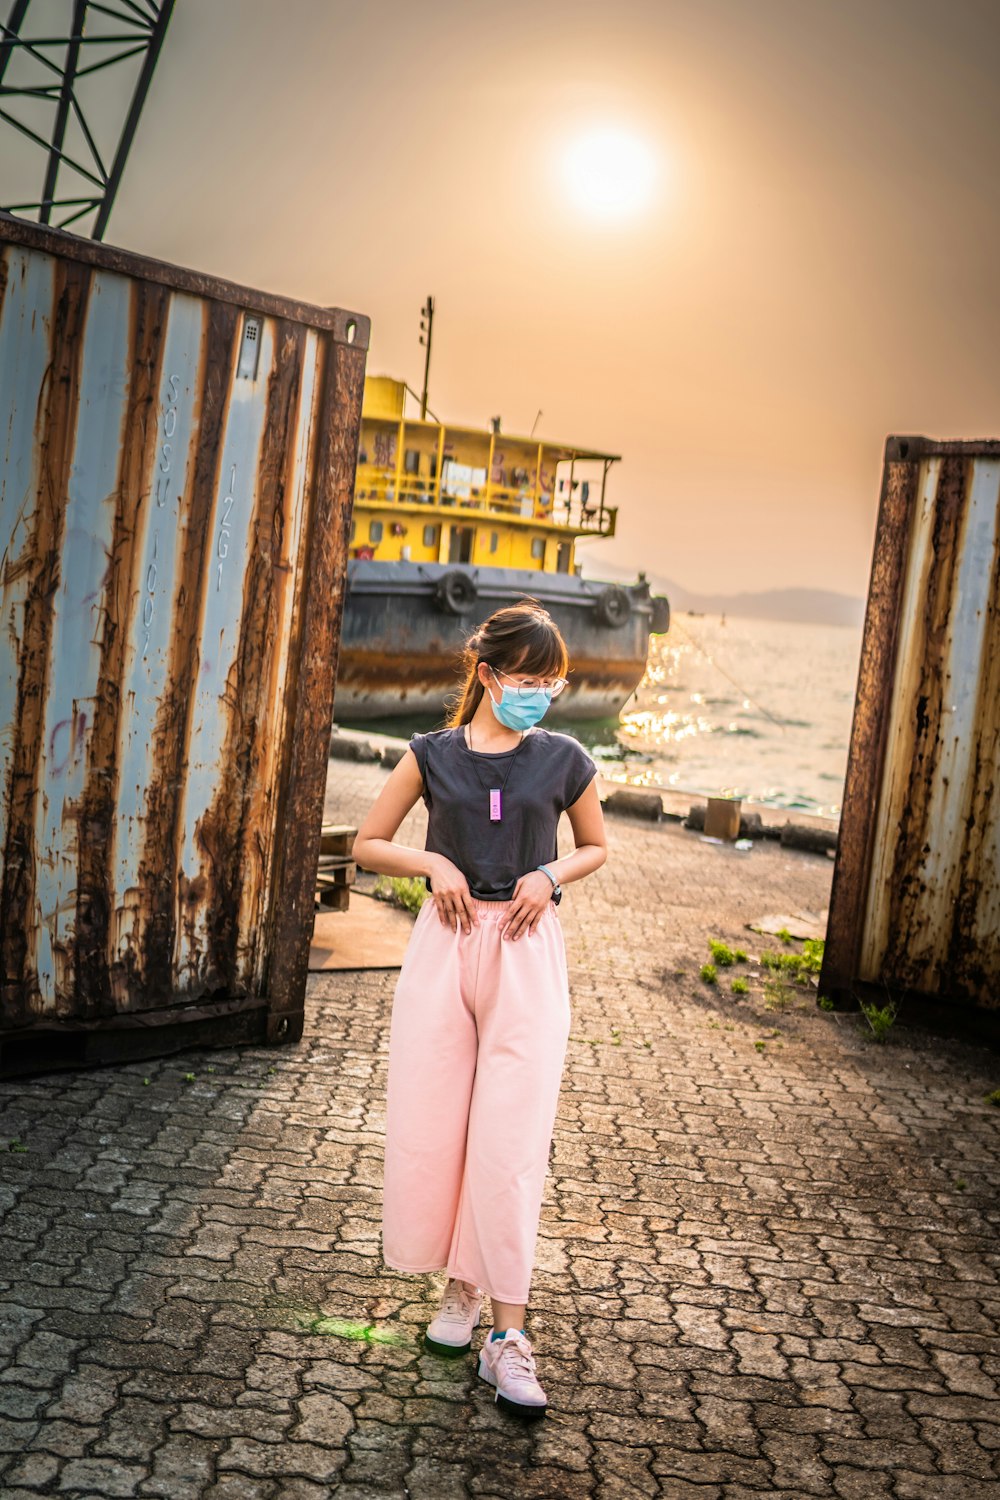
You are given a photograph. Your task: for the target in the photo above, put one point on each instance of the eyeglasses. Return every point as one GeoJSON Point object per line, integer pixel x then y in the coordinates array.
{"type": "Point", "coordinates": [528, 685]}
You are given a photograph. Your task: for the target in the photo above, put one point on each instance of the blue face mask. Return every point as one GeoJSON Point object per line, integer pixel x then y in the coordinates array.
{"type": "Point", "coordinates": [515, 711]}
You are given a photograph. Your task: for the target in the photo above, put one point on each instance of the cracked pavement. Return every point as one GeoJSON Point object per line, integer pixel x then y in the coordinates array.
{"type": "Point", "coordinates": [767, 1263]}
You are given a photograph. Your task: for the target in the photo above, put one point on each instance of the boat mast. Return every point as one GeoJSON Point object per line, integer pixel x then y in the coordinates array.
{"type": "Point", "coordinates": [426, 328]}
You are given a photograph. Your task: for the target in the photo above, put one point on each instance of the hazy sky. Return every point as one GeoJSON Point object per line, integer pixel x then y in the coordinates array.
{"type": "Point", "coordinates": [795, 255]}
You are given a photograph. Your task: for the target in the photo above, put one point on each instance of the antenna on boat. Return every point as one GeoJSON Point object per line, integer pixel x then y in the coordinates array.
{"type": "Point", "coordinates": [426, 328]}
{"type": "Point", "coordinates": [538, 418]}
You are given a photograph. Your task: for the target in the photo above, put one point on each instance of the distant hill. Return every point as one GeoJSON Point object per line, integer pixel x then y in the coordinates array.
{"type": "Point", "coordinates": [803, 606]}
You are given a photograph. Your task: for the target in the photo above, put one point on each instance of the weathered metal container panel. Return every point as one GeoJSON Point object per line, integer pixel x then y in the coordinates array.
{"type": "Point", "coordinates": [24, 348]}
{"type": "Point", "coordinates": [74, 631]}
{"type": "Point", "coordinates": [146, 664]}
{"type": "Point", "coordinates": [916, 899]}
{"type": "Point", "coordinates": [177, 473]}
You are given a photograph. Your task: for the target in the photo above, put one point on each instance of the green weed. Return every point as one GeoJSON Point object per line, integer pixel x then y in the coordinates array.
{"type": "Point", "coordinates": [784, 934]}
{"type": "Point", "coordinates": [993, 1097]}
{"type": "Point", "coordinates": [879, 1017]}
{"type": "Point", "coordinates": [725, 956]}
{"type": "Point", "coordinates": [780, 963]}
{"type": "Point", "coordinates": [740, 987]}
{"type": "Point", "coordinates": [777, 995]}
{"type": "Point", "coordinates": [825, 1003]}
{"type": "Point", "coordinates": [709, 973]}
{"type": "Point", "coordinates": [799, 967]}
{"type": "Point", "coordinates": [722, 954]}
{"type": "Point", "coordinates": [408, 891]}
{"type": "Point", "coordinates": [811, 957]}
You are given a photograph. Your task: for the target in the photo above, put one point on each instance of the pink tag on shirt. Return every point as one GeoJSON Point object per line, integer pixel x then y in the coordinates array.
{"type": "Point", "coordinates": [495, 805]}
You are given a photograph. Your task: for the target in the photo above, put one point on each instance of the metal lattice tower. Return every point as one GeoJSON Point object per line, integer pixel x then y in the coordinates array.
{"type": "Point", "coordinates": [54, 91]}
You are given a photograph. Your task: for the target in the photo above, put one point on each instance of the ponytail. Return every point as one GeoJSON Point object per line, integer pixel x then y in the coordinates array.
{"type": "Point", "coordinates": [471, 694]}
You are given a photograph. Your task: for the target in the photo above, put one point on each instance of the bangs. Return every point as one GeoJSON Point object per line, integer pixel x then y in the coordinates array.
{"type": "Point", "coordinates": [543, 652]}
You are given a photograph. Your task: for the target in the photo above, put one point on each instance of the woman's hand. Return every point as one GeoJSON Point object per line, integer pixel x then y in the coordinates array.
{"type": "Point", "coordinates": [451, 895]}
{"type": "Point", "coordinates": [529, 902]}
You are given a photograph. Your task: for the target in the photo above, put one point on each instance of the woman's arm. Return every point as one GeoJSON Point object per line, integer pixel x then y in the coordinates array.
{"type": "Point", "coordinates": [374, 848]}
{"type": "Point", "coordinates": [533, 891]}
{"type": "Point", "coordinates": [586, 818]}
{"type": "Point", "coordinates": [373, 844]}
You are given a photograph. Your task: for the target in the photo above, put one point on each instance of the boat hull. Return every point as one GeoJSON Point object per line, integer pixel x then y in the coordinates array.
{"type": "Point", "coordinates": [405, 626]}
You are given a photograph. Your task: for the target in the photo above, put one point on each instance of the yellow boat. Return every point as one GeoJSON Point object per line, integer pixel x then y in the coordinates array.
{"type": "Point", "coordinates": [450, 523]}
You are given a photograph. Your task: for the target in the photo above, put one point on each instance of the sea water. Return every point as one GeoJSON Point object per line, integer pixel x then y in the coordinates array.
{"type": "Point", "coordinates": [756, 708]}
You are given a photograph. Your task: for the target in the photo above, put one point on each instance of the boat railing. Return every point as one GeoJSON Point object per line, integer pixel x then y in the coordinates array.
{"type": "Point", "coordinates": [379, 486]}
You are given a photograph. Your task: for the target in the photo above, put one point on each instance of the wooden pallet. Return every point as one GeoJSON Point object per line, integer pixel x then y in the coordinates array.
{"type": "Point", "coordinates": [336, 838]}
{"type": "Point", "coordinates": [337, 870]}
{"type": "Point", "coordinates": [333, 897]}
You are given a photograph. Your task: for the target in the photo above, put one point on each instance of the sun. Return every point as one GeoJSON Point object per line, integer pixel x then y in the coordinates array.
{"type": "Point", "coordinates": [610, 172]}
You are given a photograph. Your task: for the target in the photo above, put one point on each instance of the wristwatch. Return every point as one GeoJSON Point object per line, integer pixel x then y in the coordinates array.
{"type": "Point", "coordinates": [556, 887]}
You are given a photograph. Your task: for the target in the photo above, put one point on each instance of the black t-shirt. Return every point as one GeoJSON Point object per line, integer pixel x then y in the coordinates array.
{"type": "Point", "coordinates": [543, 776]}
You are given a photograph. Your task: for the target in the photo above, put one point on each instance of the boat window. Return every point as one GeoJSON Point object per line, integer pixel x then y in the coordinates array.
{"type": "Point", "coordinates": [538, 547]}
{"type": "Point", "coordinates": [354, 530]}
{"type": "Point", "coordinates": [431, 535]}
{"type": "Point", "coordinates": [374, 531]}
{"type": "Point", "coordinates": [494, 541]}
{"type": "Point", "coordinates": [412, 461]}
{"type": "Point", "coordinates": [563, 556]}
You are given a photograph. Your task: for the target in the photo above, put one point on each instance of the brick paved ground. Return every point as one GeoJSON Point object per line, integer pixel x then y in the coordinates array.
{"type": "Point", "coordinates": [760, 1272]}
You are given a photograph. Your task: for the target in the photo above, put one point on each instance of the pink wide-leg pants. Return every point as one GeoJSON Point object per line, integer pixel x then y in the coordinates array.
{"type": "Point", "coordinates": [476, 1050]}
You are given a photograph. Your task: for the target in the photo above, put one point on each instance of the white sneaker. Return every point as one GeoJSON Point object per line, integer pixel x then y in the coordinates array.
{"type": "Point", "coordinates": [509, 1364]}
{"type": "Point", "coordinates": [451, 1331]}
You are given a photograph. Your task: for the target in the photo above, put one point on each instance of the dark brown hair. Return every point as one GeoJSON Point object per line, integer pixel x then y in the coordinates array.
{"type": "Point", "coordinates": [520, 638]}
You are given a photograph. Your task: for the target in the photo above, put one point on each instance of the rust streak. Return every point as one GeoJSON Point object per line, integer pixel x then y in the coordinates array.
{"type": "Point", "coordinates": [903, 960]}
{"type": "Point", "coordinates": [279, 472]}
{"type": "Point", "coordinates": [226, 830]}
{"type": "Point", "coordinates": [94, 987]}
{"type": "Point", "coordinates": [4, 278]}
{"type": "Point", "coordinates": [971, 960]}
{"type": "Point", "coordinates": [875, 686]}
{"type": "Point", "coordinates": [315, 646]}
{"type": "Point", "coordinates": [161, 892]}
{"type": "Point", "coordinates": [55, 427]}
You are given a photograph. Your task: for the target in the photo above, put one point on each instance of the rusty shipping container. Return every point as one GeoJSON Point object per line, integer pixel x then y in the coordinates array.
{"type": "Point", "coordinates": [176, 476]}
{"type": "Point", "coordinates": [915, 906]}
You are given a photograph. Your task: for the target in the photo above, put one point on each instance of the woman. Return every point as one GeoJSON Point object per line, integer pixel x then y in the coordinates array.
{"type": "Point", "coordinates": [481, 1013]}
